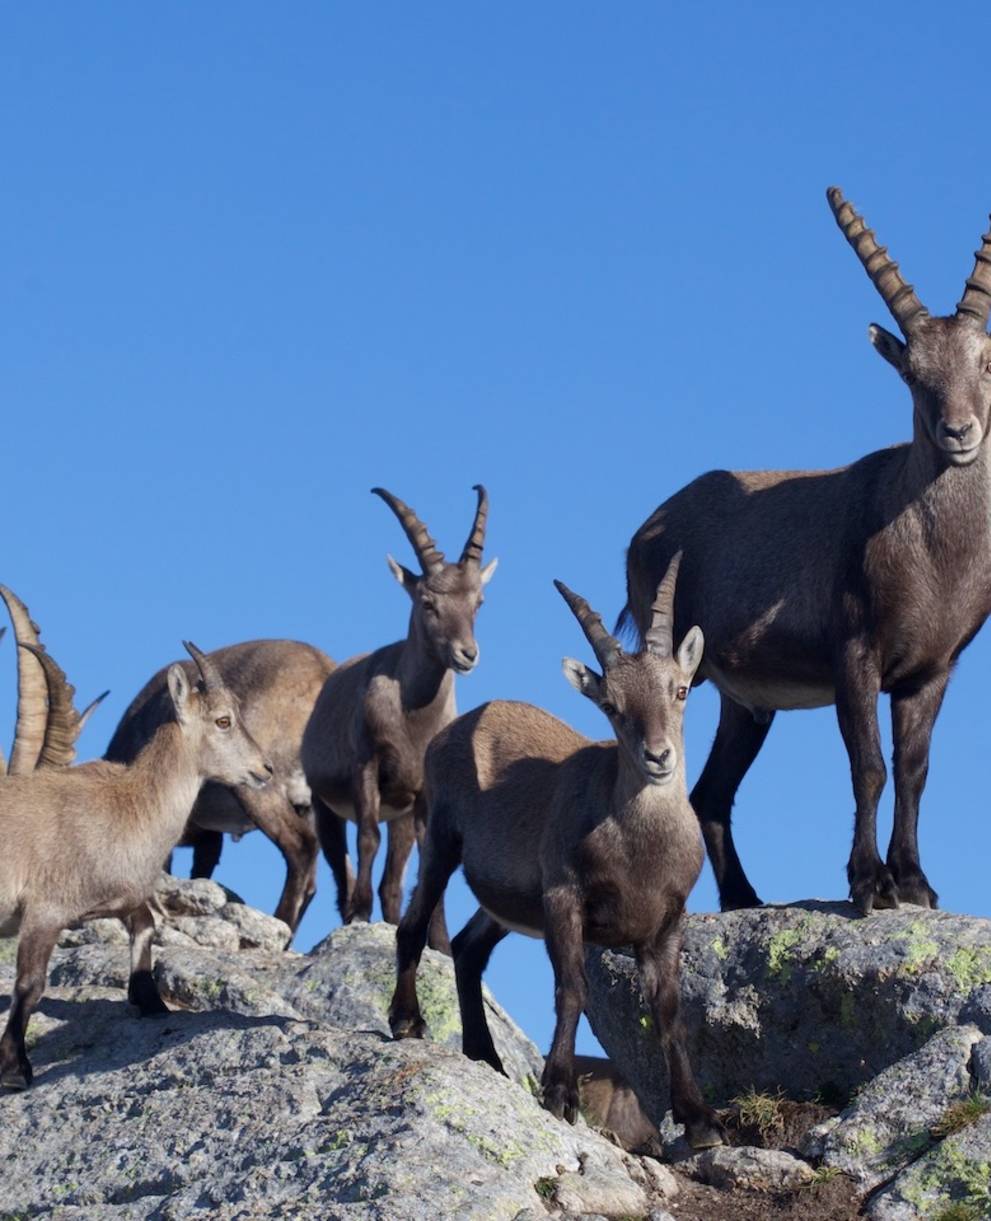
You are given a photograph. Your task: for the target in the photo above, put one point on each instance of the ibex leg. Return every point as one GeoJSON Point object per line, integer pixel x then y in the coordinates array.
{"type": "Point", "coordinates": [660, 970]}
{"type": "Point", "coordinates": [738, 740]}
{"type": "Point", "coordinates": [472, 949]}
{"type": "Point", "coordinates": [142, 990]}
{"type": "Point", "coordinates": [34, 949]}
{"type": "Point", "coordinates": [332, 833]}
{"type": "Point", "coordinates": [563, 938]}
{"type": "Point", "coordinates": [857, 688]}
{"type": "Point", "coordinates": [441, 856]}
{"type": "Point", "coordinates": [401, 837]}
{"type": "Point", "coordinates": [292, 834]}
{"type": "Point", "coordinates": [913, 714]}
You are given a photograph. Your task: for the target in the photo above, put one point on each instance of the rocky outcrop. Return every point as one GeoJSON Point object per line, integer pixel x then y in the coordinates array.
{"type": "Point", "coordinates": [272, 1089]}
{"type": "Point", "coordinates": [810, 999]}
{"type": "Point", "coordinates": [890, 1015]}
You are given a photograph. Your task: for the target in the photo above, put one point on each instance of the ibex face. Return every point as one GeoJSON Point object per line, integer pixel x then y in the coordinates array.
{"type": "Point", "coordinates": [946, 362]}
{"type": "Point", "coordinates": [446, 597]}
{"type": "Point", "coordinates": [643, 694]}
{"type": "Point", "coordinates": [210, 719]}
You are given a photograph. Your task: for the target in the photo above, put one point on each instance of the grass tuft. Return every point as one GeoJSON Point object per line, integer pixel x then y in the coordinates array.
{"type": "Point", "coordinates": [961, 1115]}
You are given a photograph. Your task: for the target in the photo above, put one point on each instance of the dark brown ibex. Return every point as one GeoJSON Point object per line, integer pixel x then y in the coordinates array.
{"type": "Point", "coordinates": [573, 841]}
{"type": "Point", "coordinates": [822, 587]}
{"type": "Point", "coordinates": [364, 745]}
{"type": "Point", "coordinates": [276, 683]}
{"type": "Point", "coordinates": [89, 841]}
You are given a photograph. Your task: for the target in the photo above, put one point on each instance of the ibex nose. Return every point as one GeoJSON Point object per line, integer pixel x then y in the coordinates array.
{"type": "Point", "coordinates": [464, 657]}
{"type": "Point", "coordinates": [268, 767]}
{"type": "Point", "coordinates": [663, 759]}
{"type": "Point", "coordinates": [957, 434]}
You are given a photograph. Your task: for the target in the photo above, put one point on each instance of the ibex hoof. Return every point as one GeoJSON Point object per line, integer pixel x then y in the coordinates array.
{"type": "Point", "coordinates": [562, 1101]}
{"type": "Point", "coordinates": [407, 1027]}
{"type": "Point", "coordinates": [873, 888]}
{"type": "Point", "coordinates": [705, 1133]}
{"type": "Point", "coordinates": [16, 1078]}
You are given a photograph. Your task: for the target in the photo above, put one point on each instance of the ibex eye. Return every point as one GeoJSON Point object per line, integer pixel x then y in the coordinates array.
{"type": "Point", "coordinates": [987, 367]}
{"type": "Point", "coordinates": [223, 722]}
{"type": "Point", "coordinates": [682, 693]}
{"type": "Point", "coordinates": [607, 708]}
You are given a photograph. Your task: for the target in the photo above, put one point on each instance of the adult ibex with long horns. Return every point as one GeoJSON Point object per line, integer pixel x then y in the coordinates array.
{"type": "Point", "coordinates": [829, 587]}
{"type": "Point", "coordinates": [364, 744]}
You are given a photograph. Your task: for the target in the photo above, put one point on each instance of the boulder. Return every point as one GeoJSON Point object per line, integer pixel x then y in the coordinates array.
{"type": "Point", "coordinates": [811, 998]}
{"type": "Point", "coordinates": [897, 1116]}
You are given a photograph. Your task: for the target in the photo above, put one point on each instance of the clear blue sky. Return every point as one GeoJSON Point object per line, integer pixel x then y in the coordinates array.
{"type": "Point", "coordinates": [258, 258]}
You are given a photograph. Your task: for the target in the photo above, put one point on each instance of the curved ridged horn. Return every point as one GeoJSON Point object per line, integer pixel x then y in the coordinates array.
{"type": "Point", "coordinates": [659, 639]}
{"type": "Point", "coordinates": [90, 708]}
{"type": "Point", "coordinates": [32, 690]}
{"type": "Point", "coordinates": [212, 679]}
{"type": "Point", "coordinates": [976, 300]}
{"type": "Point", "coordinates": [606, 647]}
{"type": "Point", "coordinates": [476, 540]}
{"type": "Point", "coordinates": [64, 722]}
{"type": "Point", "coordinates": [417, 533]}
{"type": "Point", "coordinates": [897, 294]}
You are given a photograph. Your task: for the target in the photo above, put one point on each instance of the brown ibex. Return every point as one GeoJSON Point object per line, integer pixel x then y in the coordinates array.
{"type": "Point", "coordinates": [276, 683]}
{"type": "Point", "coordinates": [829, 587]}
{"type": "Point", "coordinates": [573, 841]}
{"type": "Point", "coordinates": [89, 841]}
{"type": "Point", "coordinates": [364, 745]}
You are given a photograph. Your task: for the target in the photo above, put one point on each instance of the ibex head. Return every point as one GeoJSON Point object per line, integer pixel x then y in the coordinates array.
{"type": "Point", "coordinates": [210, 718]}
{"type": "Point", "coordinates": [642, 694]}
{"type": "Point", "coordinates": [446, 597]}
{"type": "Point", "coordinates": [946, 362]}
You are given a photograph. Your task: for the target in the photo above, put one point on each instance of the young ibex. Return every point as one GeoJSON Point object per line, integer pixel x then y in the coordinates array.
{"type": "Point", "coordinates": [276, 683]}
{"type": "Point", "coordinates": [364, 745]}
{"type": "Point", "coordinates": [822, 587]}
{"type": "Point", "coordinates": [89, 841]}
{"type": "Point", "coordinates": [573, 841]}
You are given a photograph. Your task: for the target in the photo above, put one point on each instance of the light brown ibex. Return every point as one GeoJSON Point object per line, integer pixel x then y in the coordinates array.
{"type": "Point", "coordinates": [276, 683]}
{"type": "Point", "coordinates": [89, 841]}
{"type": "Point", "coordinates": [829, 587]}
{"type": "Point", "coordinates": [573, 841]}
{"type": "Point", "coordinates": [364, 745]}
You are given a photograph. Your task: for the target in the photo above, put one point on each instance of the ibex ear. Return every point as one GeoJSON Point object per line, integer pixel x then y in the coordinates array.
{"type": "Point", "coordinates": [408, 580]}
{"type": "Point", "coordinates": [584, 680]}
{"type": "Point", "coordinates": [488, 572]}
{"type": "Point", "coordinates": [180, 691]}
{"type": "Point", "coordinates": [690, 653]}
{"type": "Point", "coordinates": [889, 346]}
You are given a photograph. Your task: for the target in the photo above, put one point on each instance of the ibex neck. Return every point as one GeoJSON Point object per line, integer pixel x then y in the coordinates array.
{"type": "Point", "coordinates": [165, 781]}
{"type": "Point", "coordinates": [632, 796]}
{"type": "Point", "coordinates": [422, 678]}
{"type": "Point", "coordinates": [956, 500]}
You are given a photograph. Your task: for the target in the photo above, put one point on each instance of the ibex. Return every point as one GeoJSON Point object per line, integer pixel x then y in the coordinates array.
{"type": "Point", "coordinates": [609, 1102]}
{"type": "Point", "coordinates": [364, 745]}
{"type": "Point", "coordinates": [89, 841]}
{"type": "Point", "coordinates": [573, 841]}
{"type": "Point", "coordinates": [829, 587]}
{"type": "Point", "coordinates": [276, 683]}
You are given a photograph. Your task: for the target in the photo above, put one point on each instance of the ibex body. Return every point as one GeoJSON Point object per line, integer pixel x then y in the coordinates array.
{"type": "Point", "coordinates": [89, 841]}
{"type": "Point", "coordinates": [276, 683]}
{"type": "Point", "coordinates": [822, 587]}
{"type": "Point", "coordinates": [364, 746]}
{"type": "Point", "coordinates": [573, 841]}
